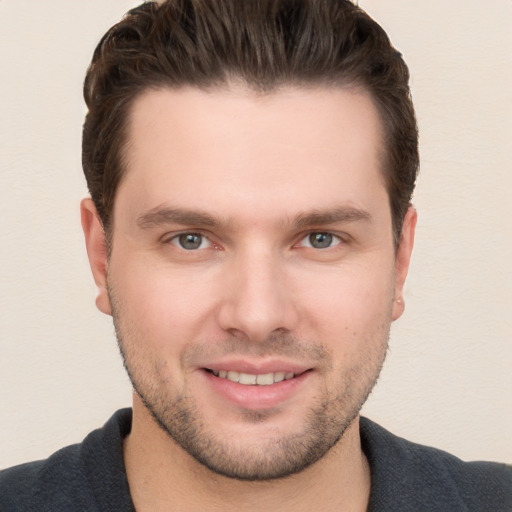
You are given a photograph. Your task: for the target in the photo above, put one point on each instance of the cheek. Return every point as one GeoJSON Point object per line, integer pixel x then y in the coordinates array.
{"type": "Point", "coordinates": [350, 298]}
{"type": "Point", "coordinates": [350, 314]}
{"type": "Point", "coordinates": [162, 302]}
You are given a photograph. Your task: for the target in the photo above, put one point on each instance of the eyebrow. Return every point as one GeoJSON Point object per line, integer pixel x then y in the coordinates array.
{"type": "Point", "coordinates": [160, 216]}
{"type": "Point", "coordinates": [332, 216]}
{"type": "Point", "coordinates": [165, 215]}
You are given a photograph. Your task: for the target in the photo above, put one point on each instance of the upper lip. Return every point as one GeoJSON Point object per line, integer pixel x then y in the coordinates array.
{"type": "Point", "coordinates": [257, 367]}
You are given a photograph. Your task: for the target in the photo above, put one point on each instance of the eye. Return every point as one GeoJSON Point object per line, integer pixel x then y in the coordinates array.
{"type": "Point", "coordinates": [191, 241]}
{"type": "Point", "coordinates": [320, 240]}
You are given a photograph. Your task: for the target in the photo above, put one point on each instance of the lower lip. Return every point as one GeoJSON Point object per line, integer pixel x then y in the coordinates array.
{"type": "Point", "coordinates": [256, 397]}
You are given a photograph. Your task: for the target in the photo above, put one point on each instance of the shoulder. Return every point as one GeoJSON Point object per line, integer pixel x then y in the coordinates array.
{"type": "Point", "coordinates": [71, 478]}
{"type": "Point", "coordinates": [410, 476]}
{"type": "Point", "coordinates": [29, 486]}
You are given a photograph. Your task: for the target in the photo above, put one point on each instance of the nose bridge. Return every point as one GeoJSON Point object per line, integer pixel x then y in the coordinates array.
{"type": "Point", "coordinates": [257, 301]}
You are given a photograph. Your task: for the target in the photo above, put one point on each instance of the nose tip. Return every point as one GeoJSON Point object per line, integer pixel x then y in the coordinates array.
{"type": "Point", "coordinates": [256, 328]}
{"type": "Point", "coordinates": [257, 302]}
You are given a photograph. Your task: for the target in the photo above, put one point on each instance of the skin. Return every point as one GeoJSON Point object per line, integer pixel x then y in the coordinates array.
{"type": "Point", "coordinates": [252, 177]}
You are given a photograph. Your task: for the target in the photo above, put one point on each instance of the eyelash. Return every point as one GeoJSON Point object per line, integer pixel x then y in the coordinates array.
{"type": "Point", "coordinates": [177, 240]}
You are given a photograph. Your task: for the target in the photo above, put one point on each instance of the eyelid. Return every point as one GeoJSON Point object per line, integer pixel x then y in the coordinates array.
{"type": "Point", "coordinates": [171, 234]}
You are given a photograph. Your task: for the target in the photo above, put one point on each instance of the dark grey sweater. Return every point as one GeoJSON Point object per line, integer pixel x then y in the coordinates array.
{"type": "Point", "coordinates": [406, 477]}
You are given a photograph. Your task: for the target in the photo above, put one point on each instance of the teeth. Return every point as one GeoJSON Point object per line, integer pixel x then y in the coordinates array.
{"type": "Point", "coordinates": [233, 376]}
{"type": "Point", "coordinates": [248, 379]}
{"type": "Point", "coordinates": [279, 376]}
{"type": "Point", "coordinates": [264, 379]}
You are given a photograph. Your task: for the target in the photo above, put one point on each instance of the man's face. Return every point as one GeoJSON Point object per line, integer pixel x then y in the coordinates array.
{"type": "Point", "coordinates": [252, 242]}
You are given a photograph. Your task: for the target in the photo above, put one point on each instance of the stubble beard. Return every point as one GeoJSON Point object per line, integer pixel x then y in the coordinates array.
{"type": "Point", "coordinates": [179, 416]}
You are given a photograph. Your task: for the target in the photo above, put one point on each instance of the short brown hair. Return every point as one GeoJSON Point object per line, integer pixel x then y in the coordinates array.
{"type": "Point", "coordinates": [267, 44]}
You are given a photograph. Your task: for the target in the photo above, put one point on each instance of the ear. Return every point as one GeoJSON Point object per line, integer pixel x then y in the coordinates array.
{"type": "Point", "coordinates": [402, 260]}
{"type": "Point", "coordinates": [96, 251]}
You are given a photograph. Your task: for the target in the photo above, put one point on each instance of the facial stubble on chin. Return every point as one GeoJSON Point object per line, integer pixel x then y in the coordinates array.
{"type": "Point", "coordinates": [273, 458]}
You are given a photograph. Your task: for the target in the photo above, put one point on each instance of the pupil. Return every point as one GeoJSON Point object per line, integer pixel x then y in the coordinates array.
{"type": "Point", "coordinates": [190, 241]}
{"type": "Point", "coordinates": [320, 240]}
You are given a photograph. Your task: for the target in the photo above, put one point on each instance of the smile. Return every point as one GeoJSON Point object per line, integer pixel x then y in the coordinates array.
{"type": "Point", "coordinates": [264, 379]}
{"type": "Point", "coordinates": [251, 388]}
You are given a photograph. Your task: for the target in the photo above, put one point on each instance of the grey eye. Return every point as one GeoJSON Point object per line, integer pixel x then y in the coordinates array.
{"type": "Point", "coordinates": [320, 240]}
{"type": "Point", "coordinates": [190, 241]}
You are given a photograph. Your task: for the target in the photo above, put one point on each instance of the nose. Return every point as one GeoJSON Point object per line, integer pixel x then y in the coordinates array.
{"type": "Point", "coordinates": [256, 300]}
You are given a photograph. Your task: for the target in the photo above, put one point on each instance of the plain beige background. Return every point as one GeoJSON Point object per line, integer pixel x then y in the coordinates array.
{"type": "Point", "coordinates": [448, 378]}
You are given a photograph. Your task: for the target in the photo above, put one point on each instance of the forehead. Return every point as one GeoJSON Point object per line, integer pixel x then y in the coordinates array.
{"type": "Point", "coordinates": [287, 149]}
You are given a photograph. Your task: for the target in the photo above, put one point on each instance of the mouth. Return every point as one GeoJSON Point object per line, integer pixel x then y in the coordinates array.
{"type": "Point", "coordinates": [248, 379]}
{"type": "Point", "coordinates": [250, 388]}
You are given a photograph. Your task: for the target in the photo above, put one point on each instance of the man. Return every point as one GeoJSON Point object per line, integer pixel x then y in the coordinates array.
{"type": "Point", "coordinates": [251, 166]}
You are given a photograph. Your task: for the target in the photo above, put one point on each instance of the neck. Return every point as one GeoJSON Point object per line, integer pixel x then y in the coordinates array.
{"type": "Point", "coordinates": [162, 476]}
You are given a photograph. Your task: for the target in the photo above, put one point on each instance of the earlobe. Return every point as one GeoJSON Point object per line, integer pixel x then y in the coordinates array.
{"type": "Point", "coordinates": [96, 251]}
{"type": "Point", "coordinates": [402, 260]}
